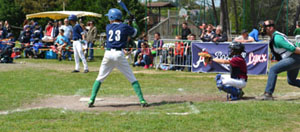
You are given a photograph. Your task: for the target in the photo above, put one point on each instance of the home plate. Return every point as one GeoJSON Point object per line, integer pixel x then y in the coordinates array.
{"type": "Point", "coordinates": [88, 99]}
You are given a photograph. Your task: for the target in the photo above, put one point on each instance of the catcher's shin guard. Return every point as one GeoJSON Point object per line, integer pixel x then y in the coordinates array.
{"type": "Point", "coordinates": [234, 92]}
{"type": "Point", "coordinates": [219, 81]}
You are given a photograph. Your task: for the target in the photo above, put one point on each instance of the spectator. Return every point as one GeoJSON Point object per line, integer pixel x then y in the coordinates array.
{"type": "Point", "coordinates": [59, 24]}
{"type": "Point", "coordinates": [55, 31]}
{"type": "Point", "coordinates": [7, 27]}
{"type": "Point", "coordinates": [244, 38]}
{"type": "Point", "coordinates": [61, 43]}
{"type": "Point", "coordinates": [208, 35]}
{"type": "Point", "coordinates": [84, 37]}
{"type": "Point", "coordinates": [297, 30]}
{"type": "Point", "coordinates": [157, 44]}
{"type": "Point", "coordinates": [6, 51]}
{"type": "Point", "coordinates": [203, 28]}
{"type": "Point", "coordinates": [185, 31]}
{"type": "Point", "coordinates": [3, 31]}
{"type": "Point", "coordinates": [219, 36]}
{"type": "Point", "coordinates": [91, 39]}
{"type": "Point", "coordinates": [49, 35]}
{"type": "Point", "coordinates": [143, 38]}
{"type": "Point", "coordinates": [25, 23]}
{"type": "Point", "coordinates": [67, 29]}
{"type": "Point", "coordinates": [144, 58]}
{"type": "Point", "coordinates": [178, 52]}
{"type": "Point", "coordinates": [255, 33]}
{"type": "Point", "coordinates": [187, 51]}
{"type": "Point", "coordinates": [25, 40]}
{"type": "Point", "coordinates": [37, 33]}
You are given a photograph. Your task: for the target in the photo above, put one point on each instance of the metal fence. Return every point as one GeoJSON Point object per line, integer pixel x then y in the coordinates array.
{"type": "Point", "coordinates": [173, 55]}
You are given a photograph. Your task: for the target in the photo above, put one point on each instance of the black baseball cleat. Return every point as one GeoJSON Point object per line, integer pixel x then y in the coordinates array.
{"type": "Point", "coordinates": [267, 96]}
{"type": "Point", "coordinates": [75, 71]}
{"type": "Point", "coordinates": [85, 71]}
{"type": "Point", "coordinates": [144, 104]}
{"type": "Point", "coordinates": [91, 104]}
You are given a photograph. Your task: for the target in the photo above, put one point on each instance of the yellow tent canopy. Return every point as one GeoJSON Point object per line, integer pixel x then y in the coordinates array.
{"type": "Point", "coordinates": [61, 14]}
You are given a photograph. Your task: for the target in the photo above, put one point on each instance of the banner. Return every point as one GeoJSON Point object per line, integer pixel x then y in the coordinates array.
{"type": "Point", "coordinates": [256, 57]}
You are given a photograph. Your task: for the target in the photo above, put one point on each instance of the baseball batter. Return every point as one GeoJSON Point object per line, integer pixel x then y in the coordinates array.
{"type": "Point", "coordinates": [233, 83]}
{"type": "Point", "coordinates": [77, 46]}
{"type": "Point", "coordinates": [117, 34]}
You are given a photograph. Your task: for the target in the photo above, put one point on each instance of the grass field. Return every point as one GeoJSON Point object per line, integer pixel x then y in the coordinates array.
{"type": "Point", "coordinates": [29, 82]}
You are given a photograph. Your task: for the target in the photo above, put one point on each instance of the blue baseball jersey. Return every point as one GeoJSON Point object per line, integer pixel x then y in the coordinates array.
{"type": "Point", "coordinates": [77, 30]}
{"type": "Point", "coordinates": [117, 34]}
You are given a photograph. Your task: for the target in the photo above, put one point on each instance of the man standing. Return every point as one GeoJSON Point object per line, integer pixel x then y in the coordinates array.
{"type": "Point", "coordinates": [185, 31]}
{"type": "Point", "coordinates": [91, 38]}
{"type": "Point", "coordinates": [117, 35]}
{"type": "Point", "coordinates": [77, 46]}
{"type": "Point", "coordinates": [67, 28]}
{"type": "Point", "coordinates": [288, 58]}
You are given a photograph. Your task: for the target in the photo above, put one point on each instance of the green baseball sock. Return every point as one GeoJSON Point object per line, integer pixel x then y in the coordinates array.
{"type": "Point", "coordinates": [95, 90]}
{"type": "Point", "coordinates": [137, 88]}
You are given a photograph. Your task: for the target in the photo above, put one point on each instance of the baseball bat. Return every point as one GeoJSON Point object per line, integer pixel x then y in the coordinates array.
{"type": "Point", "coordinates": [123, 6]}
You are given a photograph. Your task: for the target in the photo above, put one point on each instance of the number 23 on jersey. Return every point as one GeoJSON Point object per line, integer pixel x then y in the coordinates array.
{"type": "Point", "coordinates": [114, 36]}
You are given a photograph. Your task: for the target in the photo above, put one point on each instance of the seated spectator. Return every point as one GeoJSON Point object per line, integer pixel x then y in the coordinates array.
{"type": "Point", "coordinates": [220, 36]}
{"type": "Point", "coordinates": [178, 52]}
{"type": "Point", "coordinates": [144, 58]}
{"type": "Point", "coordinates": [244, 38]}
{"type": "Point", "coordinates": [143, 38]}
{"type": "Point", "coordinates": [6, 51]}
{"type": "Point", "coordinates": [25, 40]}
{"type": "Point", "coordinates": [49, 35]}
{"type": "Point", "coordinates": [208, 35]}
{"type": "Point", "coordinates": [61, 42]}
{"type": "Point", "coordinates": [36, 32]}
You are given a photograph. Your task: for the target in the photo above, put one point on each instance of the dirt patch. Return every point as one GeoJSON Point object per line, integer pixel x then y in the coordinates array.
{"type": "Point", "coordinates": [131, 103]}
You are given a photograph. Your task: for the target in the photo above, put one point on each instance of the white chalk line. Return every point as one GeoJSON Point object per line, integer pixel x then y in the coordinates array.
{"type": "Point", "coordinates": [20, 110]}
{"type": "Point", "coordinates": [193, 110]}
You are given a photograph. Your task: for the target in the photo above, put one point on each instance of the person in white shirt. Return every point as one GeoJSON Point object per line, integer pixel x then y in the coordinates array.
{"type": "Point", "coordinates": [67, 28]}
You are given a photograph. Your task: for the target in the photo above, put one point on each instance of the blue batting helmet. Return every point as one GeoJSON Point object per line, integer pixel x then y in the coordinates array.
{"type": "Point", "coordinates": [72, 18]}
{"type": "Point", "coordinates": [114, 14]}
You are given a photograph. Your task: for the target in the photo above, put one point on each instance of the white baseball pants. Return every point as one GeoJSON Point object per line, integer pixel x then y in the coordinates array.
{"type": "Point", "coordinates": [113, 58]}
{"type": "Point", "coordinates": [238, 83]}
{"type": "Point", "coordinates": [77, 47]}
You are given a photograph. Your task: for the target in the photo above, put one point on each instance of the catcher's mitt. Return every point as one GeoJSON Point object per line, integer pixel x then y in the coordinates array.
{"type": "Point", "coordinates": [207, 57]}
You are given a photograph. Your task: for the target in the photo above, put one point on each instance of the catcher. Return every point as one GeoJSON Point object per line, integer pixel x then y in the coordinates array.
{"type": "Point", "coordinates": [233, 83]}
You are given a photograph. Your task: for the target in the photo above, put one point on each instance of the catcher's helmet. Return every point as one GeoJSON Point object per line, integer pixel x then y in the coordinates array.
{"type": "Point", "coordinates": [236, 48]}
{"type": "Point", "coordinates": [72, 18]}
{"type": "Point", "coordinates": [114, 14]}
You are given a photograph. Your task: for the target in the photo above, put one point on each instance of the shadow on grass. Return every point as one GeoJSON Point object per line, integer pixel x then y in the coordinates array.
{"type": "Point", "coordinates": [150, 104]}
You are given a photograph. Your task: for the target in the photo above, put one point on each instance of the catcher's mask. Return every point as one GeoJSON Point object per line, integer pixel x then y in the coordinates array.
{"type": "Point", "coordinates": [235, 48]}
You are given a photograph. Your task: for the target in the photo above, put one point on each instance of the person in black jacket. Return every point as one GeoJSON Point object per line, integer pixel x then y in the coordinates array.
{"type": "Point", "coordinates": [185, 31]}
{"type": "Point", "coordinates": [219, 36]}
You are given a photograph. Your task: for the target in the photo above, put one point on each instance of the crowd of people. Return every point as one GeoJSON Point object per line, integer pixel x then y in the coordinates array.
{"type": "Point", "coordinates": [56, 36]}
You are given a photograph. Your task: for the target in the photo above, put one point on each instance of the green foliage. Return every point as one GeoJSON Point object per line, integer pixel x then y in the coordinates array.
{"type": "Point", "coordinates": [12, 12]}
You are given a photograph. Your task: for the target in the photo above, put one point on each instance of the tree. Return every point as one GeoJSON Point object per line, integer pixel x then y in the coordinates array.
{"type": "Point", "coordinates": [11, 12]}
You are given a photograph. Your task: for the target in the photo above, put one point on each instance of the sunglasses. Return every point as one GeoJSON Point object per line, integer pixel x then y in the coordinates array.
{"type": "Point", "coordinates": [270, 25]}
